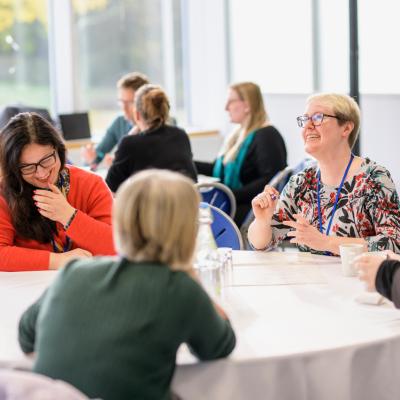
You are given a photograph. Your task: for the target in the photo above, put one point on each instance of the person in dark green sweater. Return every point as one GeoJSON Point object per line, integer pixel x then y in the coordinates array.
{"type": "Point", "coordinates": [112, 326]}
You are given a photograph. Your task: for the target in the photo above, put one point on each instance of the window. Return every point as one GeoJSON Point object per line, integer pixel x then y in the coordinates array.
{"type": "Point", "coordinates": [271, 44]}
{"type": "Point", "coordinates": [114, 37]}
{"type": "Point", "coordinates": [24, 72]}
{"type": "Point", "coordinates": [379, 31]}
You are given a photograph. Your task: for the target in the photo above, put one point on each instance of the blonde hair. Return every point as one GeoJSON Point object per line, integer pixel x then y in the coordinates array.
{"type": "Point", "coordinates": [155, 218]}
{"type": "Point", "coordinates": [152, 104]}
{"type": "Point", "coordinates": [251, 94]}
{"type": "Point", "coordinates": [344, 107]}
{"type": "Point", "coordinates": [133, 81]}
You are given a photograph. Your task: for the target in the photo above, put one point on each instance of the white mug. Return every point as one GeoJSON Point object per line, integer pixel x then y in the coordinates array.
{"type": "Point", "coordinates": [348, 252]}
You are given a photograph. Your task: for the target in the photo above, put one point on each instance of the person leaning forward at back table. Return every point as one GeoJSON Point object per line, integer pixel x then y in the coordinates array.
{"type": "Point", "coordinates": [122, 125]}
{"type": "Point", "coordinates": [124, 319]}
{"type": "Point", "coordinates": [344, 199]}
{"type": "Point", "coordinates": [49, 212]}
{"type": "Point", "coordinates": [157, 145]}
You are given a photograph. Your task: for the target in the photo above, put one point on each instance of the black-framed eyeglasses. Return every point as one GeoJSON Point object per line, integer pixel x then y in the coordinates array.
{"type": "Point", "coordinates": [316, 119]}
{"type": "Point", "coordinates": [46, 162]}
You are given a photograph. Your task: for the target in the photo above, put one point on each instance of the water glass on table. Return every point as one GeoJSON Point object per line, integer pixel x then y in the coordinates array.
{"type": "Point", "coordinates": [225, 257]}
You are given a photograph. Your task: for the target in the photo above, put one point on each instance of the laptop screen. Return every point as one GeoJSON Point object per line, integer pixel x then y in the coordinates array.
{"type": "Point", "coordinates": [75, 126]}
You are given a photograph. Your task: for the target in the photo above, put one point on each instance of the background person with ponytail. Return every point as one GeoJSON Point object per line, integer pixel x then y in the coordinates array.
{"type": "Point", "coordinates": [252, 154]}
{"type": "Point", "coordinates": [158, 145]}
{"type": "Point", "coordinates": [49, 212]}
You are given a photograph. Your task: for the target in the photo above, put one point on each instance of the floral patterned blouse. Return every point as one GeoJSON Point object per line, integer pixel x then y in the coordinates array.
{"type": "Point", "coordinates": [368, 207]}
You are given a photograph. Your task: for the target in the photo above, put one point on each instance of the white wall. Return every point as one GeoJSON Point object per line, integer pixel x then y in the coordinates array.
{"type": "Point", "coordinates": [380, 136]}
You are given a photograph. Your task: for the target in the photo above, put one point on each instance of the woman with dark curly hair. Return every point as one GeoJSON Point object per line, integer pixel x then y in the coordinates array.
{"type": "Point", "coordinates": [49, 212]}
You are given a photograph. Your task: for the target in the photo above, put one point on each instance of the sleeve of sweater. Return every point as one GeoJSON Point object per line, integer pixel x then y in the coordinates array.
{"type": "Point", "coordinates": [27, 326]}
{"type": "Point", "coordinates": [210, 336]}
{"type": "Point", "coordinates": [13, 257]}
{"type": "Point", "coordinates": [91, 230]}
{"type": "Point", "coordinates": [387, 281]}
{"type": "Point", "coordinates": [268, 155]}
{"type": "Point", "coordinates": [121, 166]}
{"type": "Point", "coordinates": [204, 168]}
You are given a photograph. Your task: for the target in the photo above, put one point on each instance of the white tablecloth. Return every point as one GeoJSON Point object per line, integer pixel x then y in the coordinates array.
{"type": "Point", "coordinates": [300, 333]}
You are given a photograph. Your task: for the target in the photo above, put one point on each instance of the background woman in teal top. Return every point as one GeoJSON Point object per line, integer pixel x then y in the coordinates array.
{"type": "Point", "coordinates": [112, 327]}
{"type": "Point", "coordinates": [253, 153]}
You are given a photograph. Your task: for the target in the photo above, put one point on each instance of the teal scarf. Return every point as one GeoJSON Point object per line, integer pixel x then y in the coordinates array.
{"type": "Point", "coordinates": [230, 173]}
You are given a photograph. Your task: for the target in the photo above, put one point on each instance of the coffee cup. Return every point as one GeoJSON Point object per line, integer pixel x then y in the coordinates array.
{"type": "Point", "coordinates": [348, 253]}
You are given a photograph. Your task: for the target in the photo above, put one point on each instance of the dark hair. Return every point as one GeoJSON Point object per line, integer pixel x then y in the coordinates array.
{"type": "Point", "coordinates": [133, 81]}
{"type": "Point", "coordinates": [22, 130]}
{"type": "Point", "coordinates": [152, 104]}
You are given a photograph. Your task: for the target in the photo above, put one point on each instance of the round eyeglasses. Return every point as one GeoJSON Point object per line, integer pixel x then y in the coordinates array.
{"type": "Point", "coordinates": [46, 162]}
{"type": "Point", "coordinates": [316, 119]}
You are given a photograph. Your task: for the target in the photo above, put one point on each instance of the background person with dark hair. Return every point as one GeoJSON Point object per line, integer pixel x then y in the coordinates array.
{"type": "Point", "coordinates": [49, 212]}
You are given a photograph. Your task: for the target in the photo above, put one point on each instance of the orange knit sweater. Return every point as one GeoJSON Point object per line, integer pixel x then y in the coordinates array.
{"type": "Point", "coordinates": [90, 229]}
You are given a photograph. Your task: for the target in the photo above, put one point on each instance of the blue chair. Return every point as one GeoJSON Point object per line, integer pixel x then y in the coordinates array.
{"type": "Point", "coordinates": [225, 231]}
{"type": "Point", "coordinates": [218, 195]}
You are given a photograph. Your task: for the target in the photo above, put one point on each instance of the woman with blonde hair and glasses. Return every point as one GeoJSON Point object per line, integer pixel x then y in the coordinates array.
{"type": "Point", "coordinates": [344, 199]}
{"type": "Point", "coordinates": [157, 145]}
{"type": "Point", "coordinates": [253, 153]}
{"type": "Point", "coordinates": [124, 319]}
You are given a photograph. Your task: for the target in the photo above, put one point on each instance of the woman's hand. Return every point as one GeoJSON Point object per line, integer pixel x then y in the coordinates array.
{"type": "Point", "coordinates": [367, 266]}
{"type": "Point", "coordinates": [57, 260]}
{"type": "Point", "coordinates": [88, 154]}
{"type": "Point", "coordinates": [108, 160]}
{"type": "Point", "coordinates": [53, 204]}
{"type": "Point", "coordinates": [306, 234]}
{"type": "Point", "coordinates": [264, 203]}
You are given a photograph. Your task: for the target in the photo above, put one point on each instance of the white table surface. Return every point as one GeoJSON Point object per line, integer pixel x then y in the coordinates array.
{"type": "Point", "coordinates": [300, 333]}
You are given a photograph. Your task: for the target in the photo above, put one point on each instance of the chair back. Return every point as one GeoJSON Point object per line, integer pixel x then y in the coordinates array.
{"type": "Point", "coordinates": [225, 231]}
{"type": "Point", "coordinates": [23, 385]}
{"type": "Point", "coordinates": [218, 195]}
{"type": "Point", "coordinates": [10, 111]}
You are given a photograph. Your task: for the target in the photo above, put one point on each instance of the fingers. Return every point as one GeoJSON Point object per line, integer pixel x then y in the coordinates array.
{"type": "Point", "coordinates": [54, 188]}
{"type": "Point", "coordinates": [300, 219]}
{"type": "Point", "coordinates": [44, 206]}
{"type": "Point", "coordinates": [42, 195]}
{"type": "Point", "coordinates": [267, 198]}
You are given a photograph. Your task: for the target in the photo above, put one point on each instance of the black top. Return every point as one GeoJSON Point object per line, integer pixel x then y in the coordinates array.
{"type": "Point", "coordinates": [166, 147]}
{"type": "Point", "coordinates": [387, 281]}
{"type": "Point", "coordinates": [266, 157]}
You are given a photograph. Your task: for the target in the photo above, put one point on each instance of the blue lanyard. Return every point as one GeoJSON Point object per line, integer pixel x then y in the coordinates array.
{"type": "Point", "coordinates": [321, 228]}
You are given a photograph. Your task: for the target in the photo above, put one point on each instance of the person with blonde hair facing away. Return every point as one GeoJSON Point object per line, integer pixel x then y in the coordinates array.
{"type": "Point", "coordinates": [49, 211]}
{"type": "Point", "coordinates": [123, 319]}
{"type": "Point", "coordinates": [127, 86]}
{"type": "Point", "coordinates": [253, 153]}
{"type": "Point", "coordinates": [157, 145]}
{"type": "Point", "coordinates": [344, 199]}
